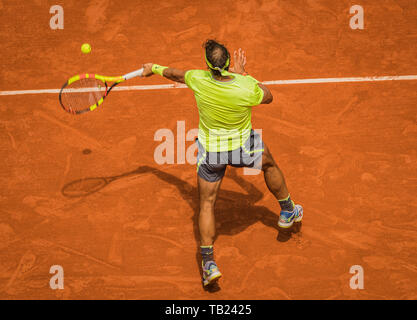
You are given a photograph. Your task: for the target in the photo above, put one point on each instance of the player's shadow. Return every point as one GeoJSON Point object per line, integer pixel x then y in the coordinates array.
{"type": "Point", "coordinates": [234, 211]}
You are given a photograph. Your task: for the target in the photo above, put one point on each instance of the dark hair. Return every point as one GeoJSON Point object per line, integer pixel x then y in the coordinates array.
{"type": "Point", "coordinates": [217, 55]}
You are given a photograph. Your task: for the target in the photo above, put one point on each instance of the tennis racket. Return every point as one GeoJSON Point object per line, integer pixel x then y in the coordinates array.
{"type": "Point", "coordinates": [85, 92]}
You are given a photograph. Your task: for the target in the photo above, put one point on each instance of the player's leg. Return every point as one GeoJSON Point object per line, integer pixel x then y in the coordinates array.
{"type": "Point", "coordinates": [210, 170]}
{"type": "Point", "coordinates": [275, 181]}
{"type": "Point", "coordinates": [207, 226]}
{"type": "Point", "coordinates": [274, 178]}
{"type": "Point", "coordinates": [206, 220]}
{"type": "Point", "coordinates": [256, 154]}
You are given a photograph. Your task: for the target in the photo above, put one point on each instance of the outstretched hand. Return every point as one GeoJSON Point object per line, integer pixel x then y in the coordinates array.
{"type": "Point", "coordinates": [147, 70]}
{"type": "Point", "coordinates": [239, 58]}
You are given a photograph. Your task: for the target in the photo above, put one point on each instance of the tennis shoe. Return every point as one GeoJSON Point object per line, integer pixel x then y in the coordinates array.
{"type": "Point", "coordinates": [287, 218]}
{"type": "Point", "coordinates": [210, 273]}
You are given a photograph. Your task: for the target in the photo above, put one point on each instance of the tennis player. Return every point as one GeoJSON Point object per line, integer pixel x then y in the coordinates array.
{"type": "Point", "coordinates": [225, 137]}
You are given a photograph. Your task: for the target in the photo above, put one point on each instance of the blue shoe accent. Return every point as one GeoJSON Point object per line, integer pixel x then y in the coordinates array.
{"type": "Point", "coordinates": [287, 219]}
{"type": "Point", "coordinates": [210, 272]}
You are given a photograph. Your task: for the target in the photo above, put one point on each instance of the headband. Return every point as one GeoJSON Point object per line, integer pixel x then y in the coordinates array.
{"type": "Point", "coordinates": [217, 68]}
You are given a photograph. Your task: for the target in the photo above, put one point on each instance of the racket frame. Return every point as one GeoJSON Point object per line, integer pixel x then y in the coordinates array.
{"type": "Point", "coordinates": [103, 79]}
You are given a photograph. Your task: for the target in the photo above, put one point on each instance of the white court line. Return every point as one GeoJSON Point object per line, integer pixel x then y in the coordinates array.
{"type": "Point", "coordinates": [273, 82]}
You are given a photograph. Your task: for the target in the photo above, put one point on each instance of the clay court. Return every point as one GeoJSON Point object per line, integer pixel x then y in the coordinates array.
{"type": "Point", "coordinates": [348, 151]}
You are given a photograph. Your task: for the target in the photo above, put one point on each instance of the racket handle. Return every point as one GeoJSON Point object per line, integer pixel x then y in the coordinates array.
{"type": "Point", "coordinates": [133, 74]}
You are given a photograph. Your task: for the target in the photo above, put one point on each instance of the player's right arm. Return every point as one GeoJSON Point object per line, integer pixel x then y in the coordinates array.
{"type": "Point", "coordinates": [176, 75]}
{"type": "Point", "coordinates": [169, 73]}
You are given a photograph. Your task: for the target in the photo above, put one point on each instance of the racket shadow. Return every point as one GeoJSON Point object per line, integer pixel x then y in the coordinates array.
{"type": "Point", "coordinates": [87, 186]}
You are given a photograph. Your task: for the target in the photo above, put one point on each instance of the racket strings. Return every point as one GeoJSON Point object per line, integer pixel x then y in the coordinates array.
{"type": "Point", "coordinates": [82, 94]}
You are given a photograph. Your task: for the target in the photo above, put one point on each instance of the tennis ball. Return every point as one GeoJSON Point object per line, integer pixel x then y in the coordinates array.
{"type": "Point", "coordinates": [86, 48]}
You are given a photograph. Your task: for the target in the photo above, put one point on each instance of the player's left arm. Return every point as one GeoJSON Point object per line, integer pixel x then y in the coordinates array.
{"type": "Point", "coordinates": [169, 73]}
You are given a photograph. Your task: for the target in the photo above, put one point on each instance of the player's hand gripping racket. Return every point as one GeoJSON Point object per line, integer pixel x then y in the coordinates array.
{"type": "Point", "coordinates": [85, 92]}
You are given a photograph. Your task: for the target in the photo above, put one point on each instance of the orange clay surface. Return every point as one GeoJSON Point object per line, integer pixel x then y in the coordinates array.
{"type": "Point", "coordinates": [348, 151]}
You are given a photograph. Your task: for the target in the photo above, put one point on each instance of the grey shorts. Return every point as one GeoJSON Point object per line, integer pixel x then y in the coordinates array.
{"type": "Point", "coordinates": [211, 166]}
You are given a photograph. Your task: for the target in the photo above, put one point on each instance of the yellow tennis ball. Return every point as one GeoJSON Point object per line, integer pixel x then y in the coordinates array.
{"type": "Point", "coordinates": [86, 48]}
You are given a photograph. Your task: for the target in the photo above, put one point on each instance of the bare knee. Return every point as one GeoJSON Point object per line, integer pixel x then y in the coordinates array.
{"type": "Point", "coordinates": [208, 193]}
{"type": "Point", "coordinates": [208, 201]}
